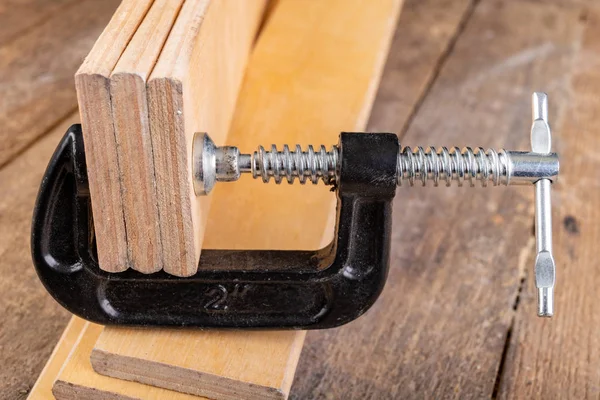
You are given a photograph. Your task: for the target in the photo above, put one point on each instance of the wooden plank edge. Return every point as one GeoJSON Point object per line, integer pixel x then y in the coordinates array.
{"type": "Point", "coordinates": [77, 379]}
{"type": "Point", "coordinates": [42, 389]}
{"type": "Point", "coordinates": [92, 82]}
{"type": "Point", "coordinates": [174, 378]}
{"type": "Point", "coordinates": [129, 104]}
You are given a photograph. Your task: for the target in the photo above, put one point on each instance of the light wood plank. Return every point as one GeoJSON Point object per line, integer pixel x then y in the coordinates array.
{"type": "Point", "coordinates": [77, 380]}
{"type": "Point", "coordinates": [310, 78]}
{"type": "Point", "coordinates": [294, 91]}
{"type": "Point", "coordinates": [92, 82]}
{"type": "Point", "coordinates": [224, 365]}
{"type": "Point", "coordinates": [132, 135]}
{"type": "Point", "coordinates": [193, 88]}
{"type": "Point", "coordinates": [43, 386]}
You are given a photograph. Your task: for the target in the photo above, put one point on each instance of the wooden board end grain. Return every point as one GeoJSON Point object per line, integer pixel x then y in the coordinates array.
{"type": "Point", "coordinates": [439, 328]}
{"type": "Point", "coordinates": [77, 380]}
{"type": "Point", "coordinates": [216, 364]}
{"type": "Point", "coordinates": [92, 82]}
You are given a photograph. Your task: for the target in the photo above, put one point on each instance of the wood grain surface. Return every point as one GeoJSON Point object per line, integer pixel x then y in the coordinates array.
{"type": "Point", "coordinates": [457, 317]}
{"type": "Point", "coordinates": [37, 66]}
{"type": "Point", "coordinates": [19, 16]}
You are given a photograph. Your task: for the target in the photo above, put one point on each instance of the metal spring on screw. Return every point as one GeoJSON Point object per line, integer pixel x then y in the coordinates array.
{"type": "Point", "coordinates": [441, 164]}
{"type": "Point", "coordinates": [304, 165]}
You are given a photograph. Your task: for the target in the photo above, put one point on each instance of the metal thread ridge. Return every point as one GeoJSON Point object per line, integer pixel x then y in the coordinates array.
{"type": "Point", "coordinates": [304, 165]}
{"type": "Point", "coordinates": [441, 164]}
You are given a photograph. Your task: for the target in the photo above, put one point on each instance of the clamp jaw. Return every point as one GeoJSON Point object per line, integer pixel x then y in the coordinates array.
{"type": "Point", "coordinates": [256, 288]}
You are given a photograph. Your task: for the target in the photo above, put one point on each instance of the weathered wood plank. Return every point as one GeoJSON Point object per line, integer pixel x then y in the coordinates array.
{"type": "Point", "coordinates": [31, 320]}
{"type": "Point", "coordinates": [559, 358]}
{"type": "Point", "coordinates": [37, 73]}
{"type": "Point", "coordinates": [439, 329]}
{"type": "Point", "coordinates": [37, 93]}
{"type": "Point", "coordinates": [19, 16]}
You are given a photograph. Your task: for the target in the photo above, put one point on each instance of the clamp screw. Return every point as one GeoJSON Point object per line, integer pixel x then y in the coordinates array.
{"type": "Point", "coordinates": [213, 164]}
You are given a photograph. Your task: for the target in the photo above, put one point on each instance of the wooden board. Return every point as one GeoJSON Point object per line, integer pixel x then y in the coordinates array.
{"type": "Point", "coordinates": [262, 364]}
{"type": "Point", "coordinates": [458, 254]}
{"type": "Point", "coordinates": [217, 364]}
{"type": "Point", "coordinates": [93, 95]}
{"type": "Point", "coordinates": [132, 135]}
{"type": "Point", "coordinates": [559, 358]}
{"type": "Point", "coordinates": [37, 67]}
{"type": "Point", "coordinates": [25, 303]}
{"type": "Point", "coordinates": [17, 17]}
{"type": "Point", "coordinates": [77, 380]}
{"type": "Point", "coordinates": [193, 88]}
{"type": "Point", "coordinates": [70, 337]}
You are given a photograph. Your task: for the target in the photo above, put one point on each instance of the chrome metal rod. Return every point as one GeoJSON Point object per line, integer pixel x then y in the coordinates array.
{"type": "Point", "coordinates": [545, 267]}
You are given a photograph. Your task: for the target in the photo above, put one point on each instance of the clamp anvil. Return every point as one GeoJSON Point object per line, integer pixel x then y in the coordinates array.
{"type": "Point", "coordinates": [277, 289]}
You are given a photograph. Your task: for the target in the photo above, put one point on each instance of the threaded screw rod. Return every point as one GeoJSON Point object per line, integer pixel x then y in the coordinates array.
{"type": "Point", "coordinates": [495, 167]}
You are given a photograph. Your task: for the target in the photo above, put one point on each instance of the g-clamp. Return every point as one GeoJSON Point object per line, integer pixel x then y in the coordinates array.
{"type": "Point", "coordinates": [279, 289]}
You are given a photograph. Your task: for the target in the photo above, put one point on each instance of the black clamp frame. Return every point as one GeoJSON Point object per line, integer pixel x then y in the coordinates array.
{"type": "Point", "coordinates": [232, 288]}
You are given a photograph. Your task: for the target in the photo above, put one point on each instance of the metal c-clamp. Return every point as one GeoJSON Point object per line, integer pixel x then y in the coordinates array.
{"type": "Point", "coordinates": [274, 289]}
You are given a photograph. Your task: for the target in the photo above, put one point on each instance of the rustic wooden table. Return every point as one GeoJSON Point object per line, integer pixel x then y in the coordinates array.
{"type": "Point", "coordinates": [457, 317]}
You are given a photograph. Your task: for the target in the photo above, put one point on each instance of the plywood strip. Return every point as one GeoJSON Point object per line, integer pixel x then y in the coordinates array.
{"type": "Point", "coordinates": [77, 380]}
{"type": "Point", "coordinates": [193, 88]}
{"type": "Point", "coordinates": [309, 78]}
{"type": "Point", "coordinates": [93, 95]}
{"type": "Point", "coordinates": [132, 135]}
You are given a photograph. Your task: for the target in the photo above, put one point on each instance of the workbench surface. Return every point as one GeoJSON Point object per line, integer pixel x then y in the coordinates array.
{"type": "Point", "coordinates": [457, 318]}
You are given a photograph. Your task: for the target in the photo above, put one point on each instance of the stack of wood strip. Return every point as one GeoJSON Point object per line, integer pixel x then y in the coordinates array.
{"type": "Point", "coordinates": [160, 71]}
